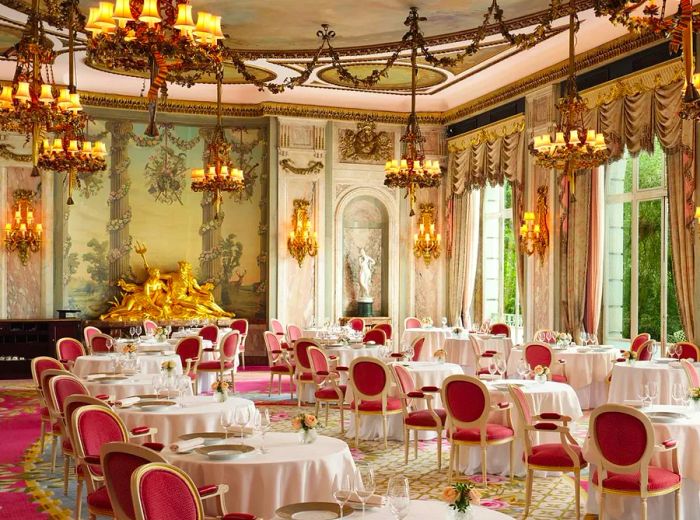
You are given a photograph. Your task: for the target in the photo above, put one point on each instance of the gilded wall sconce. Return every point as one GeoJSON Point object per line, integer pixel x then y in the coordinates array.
{"type": "Point", "coordinates": [534, 233]}
{"type": "Point", "coordinates": [426, 243]}
{"type": "Point", "coordinates": [23, 234]}
{"type": "Point", "coordinates": [301, 240]}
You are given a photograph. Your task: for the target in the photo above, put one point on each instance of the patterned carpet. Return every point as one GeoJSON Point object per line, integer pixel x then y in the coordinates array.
{"type": "Point", "coordinates": [28, 489]}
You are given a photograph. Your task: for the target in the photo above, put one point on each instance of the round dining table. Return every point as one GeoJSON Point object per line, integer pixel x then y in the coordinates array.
{"type": "Point", "coordinates": [461, 349]}
{"type": "Point", "coordinates": [104, 363]}
{"type": "Point", "coordinates": [347, 353]}
{"type": "Point", "coordinates": [138, 384]}
{"type": "Point", "coordinates": [434, 339]}
{"type": "Point", "coordinates": [197, 414]}
{"type": "Point", "coordinates": [287, 473]}
{"type": "Point", "coordinates": [629, 379]}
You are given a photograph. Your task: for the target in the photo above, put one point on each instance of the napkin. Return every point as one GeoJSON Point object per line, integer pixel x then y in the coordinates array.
{"type": "Point", "coordinates": [374, 500]}
{"type": "Point", "coordinates": [128, 401]}
{"type": "Point", "coordinates": [90, 377]}
{"type": "Point", "coordinates": [636, 403]}
{"type": "Point", "coordinates": [187, 445]}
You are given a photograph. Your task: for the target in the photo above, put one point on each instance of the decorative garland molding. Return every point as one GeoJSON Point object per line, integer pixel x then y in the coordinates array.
{"type": "Point", "coordinates": [487, 133]}
{"type": "Point", "coordinates": [312, 168]}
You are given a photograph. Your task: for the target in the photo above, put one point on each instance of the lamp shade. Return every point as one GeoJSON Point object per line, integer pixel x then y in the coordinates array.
{"type": "Point", "coordinates": [184, 20]}
{"type": "Point", "coordinates": [46, 96]}
{"type": "Point", "coordinates": [105, 16]}
{"type": "Point", "coordinates": [64, 100]}
{"type": "Point", "coordinates": [149, 13]}
{"type": "Point", "coordinates": [23, 91]}
{"type": "Point", "coordinates": [122, 12]}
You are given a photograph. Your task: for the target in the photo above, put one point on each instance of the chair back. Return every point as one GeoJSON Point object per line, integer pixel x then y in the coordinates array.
{"type": "Point", "coordinates": [370, 379]}
{"type": "Point", "coordinates": [294, 333]}
{"type": "Point", "coordinates": [538, 354]}
{"type": "Point", "coordinates": [639, 340]}
{"type": "Point", "coordinates": [376, 335]}
{"type": "Point", "coordinates": [163, 492]}
{"type": "Point", "coordinates": [417, 348]}
{"type": "Point", "coordinates": [149, 327]}
{"type": "Point", "coordinates": [273, 346]}
{"type": "Point", "coordinates": [63, 386]}
{"type": "Point", "coordinates": [71, 404]}
{"type": "Point", "coordinates": [644, 351]}
{"type": "Point", "coordinates": [411, 323]}
{"type": "Point", "coordinates": [406, 384]}
{"type": "Point", "coordinates": [189, 348]}
{"type": "Point", "coordinates": [45, 381]}
{"type": "Point", "coordinates": [524, 412]}
{"type": "Point", "coordinates": [691, 373]}
{"type": "Point", "coordinates": [210, 333]}
{"type": "Point", "coordinates": [623, 440]}
{"type": "Point", "coordinates": [88, 333]}
{"type": "Point", "coordinates": [41, 363]}
{"type": "Point", "coordinates": [119, 461]}
{"type": "Point", "coordinates": [500, 328]}
{"type": "Point", "coordinates": [301, 354]}
{"type": "Point", "coordinates": [467, 402]}
{"type": "Point", "coordinates": [386, 327]}
{"type": "Point", "coordinates": [318, 362]}
{"type": "Point", "coordinates": [228, 350]}
{"type": "Point", "coordinates": [688, 351]}
{"type": "Point", "coordinates": [357, 324]}
{"type": "Point", "coordinates": [276, 327]}
{"type": "Point", "coordinates": [98, 343]}
{"type": "Point", "coordinates": [69, 349]}
{"type": "Point", "coordinates": [241, 325]}
{"type": "Point", "coordinates": [92, 426]}
{"type": "Point", "coordinates": [544, 336]}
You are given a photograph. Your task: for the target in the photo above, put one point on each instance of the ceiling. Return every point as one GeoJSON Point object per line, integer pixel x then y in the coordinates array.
{"type": "Point", "coordinates": [280, 35]}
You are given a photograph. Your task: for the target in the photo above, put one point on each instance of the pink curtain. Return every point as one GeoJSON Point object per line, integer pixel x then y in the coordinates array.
{"type": "Point", "coordinates": [596, 235]}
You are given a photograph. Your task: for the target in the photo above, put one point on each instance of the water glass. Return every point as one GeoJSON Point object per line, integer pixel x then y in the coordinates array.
{"type": "Point", "coordinates": [132, 332]}
{"type": "Point", "coordinates": [263, 423]}
{"type": "Point", "coordinates": [242, 418]}
{"type": "Point", "coordinates": [523, 368]}
{"type": "Point", "coordinates": [226, 421]}
{"type": "Point", "coordinates": [444, 322]}
{"type": "Point", "coordinates": [502, 366]}
{"type": "Point", "coordinates": [678, 392]}
{"type": "Point", "coordinates": [364, 485]}
{"type": "Point", "coordinates": [399, 496]}
{"type": "Point", "coordinates": [342, 488]}
{"type": "Point", "coordinates": [158, 382]}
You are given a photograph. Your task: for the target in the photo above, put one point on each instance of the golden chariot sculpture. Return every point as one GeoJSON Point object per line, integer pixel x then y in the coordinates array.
{"type": "Point", "coordinates": [165, 296]}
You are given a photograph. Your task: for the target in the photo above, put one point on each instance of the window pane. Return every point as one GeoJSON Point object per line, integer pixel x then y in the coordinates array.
{"type": "Point", "coordinates": [649, 314]}
{"type": "Point", "coordinates": [619, 258]}
{"type": "Point", "coordinates": [509, 268]}
{"type": "Point", "coordinates": [619, 176]}
{"type": "Point", "coordinates": [651, 169]}
{"type": "Point", "coordinates": [491, 267]}
{"type": "Point", "coordinates": [508, 194]}
{"type": "Point", "coordinates": [674, 327]}
{"type": "Point", "coordinates": [492, 199]}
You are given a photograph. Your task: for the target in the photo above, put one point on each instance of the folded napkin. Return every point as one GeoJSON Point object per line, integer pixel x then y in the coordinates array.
{"type": "Point", "coordinates": [489, 377]}
{"type": "Point", "coordinates": [187, 445]}
{"type": "Point", "coordinates": [128, 401]}
{"type": "Point", "coordinates": [371, 343]}
{"type": "Point", "coordinates": [374, 500]}
{"type": "Point", "coordinates": [90, 377]}
{"type": "Point", "coordinates": [636, 403]}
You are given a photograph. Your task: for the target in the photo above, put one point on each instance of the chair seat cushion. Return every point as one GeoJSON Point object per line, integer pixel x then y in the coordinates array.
{"type": "Point", "coordinates": [284, 369]}
{"type": "Point", "coordinates": [483, 371]}
{"type": "Point", "coordinates": [425, 418]}
{"type": "Point", "coordinates": [553, 455]}
{"type": "Point", "coordinates": [56, 428]}
{"type": "Point", "coordinates": [558, 378]}
{"type": "Point", "coordinates": [392, 403]}
{"type": "Point", "coordinates": [239, 516]}
{"type": "Point", "coordinates": [329, 392]}
{"type": "Point", "coordinates": [99, 499]}
{"type": "Point", "coordinates": [155, 446]}
{"type": "Point", "coordinates": [44, 412]}
{"type": "Point", "coordinates": [214, 365]}
{"type": "Point", "coordinates": [659, 478]}
{"type": "Point", "coordinates": [66, 445]}
{"type": "Point", "coordinates": [306, 376]}
{"type": "Point", "coordinates": [493, 432]}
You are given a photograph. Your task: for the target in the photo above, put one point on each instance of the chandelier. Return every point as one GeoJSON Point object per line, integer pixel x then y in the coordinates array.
{"type": "Point", "coordinates": [155, 35]}
{"type": "Point", "coordinates": [412, 170]}
{"type": "Point", "coordinates": [575, 147]}
{"type": "Point", "coordinates": [219, 174]}
{"type": "Point", "coordinates": [301, 241]}
{"type": "Point", "coordinates": [22, 234]}
{"type": "Point", "coordinates": [426, 243]}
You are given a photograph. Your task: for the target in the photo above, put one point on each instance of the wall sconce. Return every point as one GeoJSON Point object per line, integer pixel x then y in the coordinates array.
{"type": "Point", "coordinates": [22, 234]}
{"type": "Point", "coordinates": [534, 233]}
{"type": "Point", "coordinates": [301, 240]}
{"type": "Point", "coordinates": [426, 243]}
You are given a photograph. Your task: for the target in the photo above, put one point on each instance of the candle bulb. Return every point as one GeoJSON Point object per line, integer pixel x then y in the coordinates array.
{"type": "Point", "coordinates": [39, 229]}
{"type": "Point", "coordinates": [8, 229]}
{"type": "Point", "coordinates": [18, 216]}
{"type": "Point", "coordinates": [438, 238]}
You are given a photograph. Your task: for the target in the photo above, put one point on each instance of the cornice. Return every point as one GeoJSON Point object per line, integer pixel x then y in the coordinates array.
{"type": "Point", "coordinates": [488, 133]}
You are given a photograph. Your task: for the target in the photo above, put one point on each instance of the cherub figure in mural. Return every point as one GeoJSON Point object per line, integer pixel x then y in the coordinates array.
{"type": "Point", "coordinates": [189, 297]}
{"type": "Point", "coordinates": [365, 144]}
{"type": "Point", "coordinates": [367, 264]}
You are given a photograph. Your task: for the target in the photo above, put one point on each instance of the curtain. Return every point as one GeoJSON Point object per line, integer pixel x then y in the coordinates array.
{"type": "Point", "coordinates": [596, 236]}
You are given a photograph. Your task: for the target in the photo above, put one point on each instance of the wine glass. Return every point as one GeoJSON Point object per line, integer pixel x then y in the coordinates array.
{"type": "Point", "coordinates": [523, 368]}
{"type": "Point", "coordinates": [242, 418]}
{"type": "Point", "coordinates": [109, 343]}
{"type": "Point", "coordinates": [399, 496]}
{"type": "Point", "coordinates": [342, 488]}
{"type": "Point", "coordinates": [183, 387]}
{"type": "Point", "coordinates": [263, 424]}
{"type": "Point", "coordinates": [653, 391]}
{"type": "Point", "coordinates": [677, 392]}
{"type": "Point", "coordinates": [410, 352]}
{"type": "Point", "coordinates": [653, 349]}
{"type": "Point", "coordinates": [444, 322]}
{"type": "Point", "coordinates": [138, 330]}
{"type": "Point", "coordinates": [493, 367]}
{"type": "Point", "coordinates": [364, 483]}
{"type": "Point", "coordinates": [158, 382]}
{"type": "Point", "coordinates": [132, 332]}
{"type": "Point", "coordinates": [643, 394]}
{"type": "Point", "coordinates": [501, 366]}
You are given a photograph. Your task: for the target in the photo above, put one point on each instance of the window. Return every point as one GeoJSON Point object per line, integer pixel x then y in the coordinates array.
{"type": "Point", "coordinates": [498, 268]}
{"type": "Point", "coordinates": [640, 293]}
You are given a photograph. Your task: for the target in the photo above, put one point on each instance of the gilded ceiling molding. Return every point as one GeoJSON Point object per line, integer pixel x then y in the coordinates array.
{"type": "Point", "coordinates": [312, 168]}
{"type": "Point", "coordinates": [7, 153]}
{"type": "Point", "coordinates": [488, 133]}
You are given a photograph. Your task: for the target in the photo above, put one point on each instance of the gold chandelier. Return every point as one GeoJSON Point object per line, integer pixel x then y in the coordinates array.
{"type": "Point", "coordinates": [301, 241]}
{"type": "Point", "coordinates": [426, 243]}
{"type": "Point", "coordinates": [412, 170]}
{"type": "Point", "coordinates": [219, 174]}
{"type": "Point", "coordinates": [155, 35]}
{"type": "Point", "coordinates": [23, 234]}
{"type": "Point", "coordinates": [574, 147]}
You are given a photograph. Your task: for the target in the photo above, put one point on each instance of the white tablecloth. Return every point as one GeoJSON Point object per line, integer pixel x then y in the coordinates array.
{"type": "Point", "coordinates": [434, 339]}
{"type": "Point", "coordinates": [687, 433]}
{"type": "Point", "coordinates": [460, 349]}
{"type": "Point", "coordinates": [146, 364]}
{"type": "Point", "coordinates": [346, 354]}
{"type": "Point", "coordinates": [543, 397]}
{"type": "Point", "coordinates": [134, 385]}
{"type": "Point", "coordinates": [288, 473]}
{"type": "Point", "coordinates": [627, 380]}
{"type": "Point", "coordinates": [587, 372]}
{"type": "Point", "coordinates": [199, 414]}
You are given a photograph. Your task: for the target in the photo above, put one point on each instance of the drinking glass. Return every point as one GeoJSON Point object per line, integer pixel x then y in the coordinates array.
{"type": "Point", "coordinates": [132, 332]}
{"type": "Point", "coordinates": [364, 483]}
{"type": "Point", "coordinates": [138, 330]}
{"type": "Point", "coordinates": [643, 394]}
{"type": "Point", "coordinates": [523, 369]}
{"type": "Point", "coordinates": [444, 322]}
{"type": "Point", "coordinates": [183, 386]}
{"type": "Point", "coordinates": [493, 368]}
{"type": "Point", "coordinates": [226, 421]}
{"type": "Point", "coordinates": [653, 391]}
{"type": "Point", "coordinates": [410, 352]}
{"type": "Point", "coordinates": [109, 343]}
{"type": "Point", "coordinates": [242, 418]}
{"type": "Point", "coordinates": [501, 365]}
{"type": "Point", "coordinates": [399, 496]}
{"type": "Point", "coordinates": [678, 391]}
{"type": "Point", "coordinates": [158, 383]}
{"type": "Point", "coordinates": [653, 349]}
{"type": "Point", "coordinates": [264, 426]}
{"type": "Point", "coordinates": [342, 488]}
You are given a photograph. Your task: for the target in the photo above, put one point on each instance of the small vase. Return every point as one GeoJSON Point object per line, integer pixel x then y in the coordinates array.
{"type": "Point", "coordinates": [696, 405]}
{"type": "Point", "coordinates": [307, 436]}
{"type": "Point", "coordinates": [631, 361]}
{"type": "Point", "coordinates": [220, 397]}
{"type": "Point", "coordinates": [467, 514]}
{"type": "Point", "coordinates": [542, 378]}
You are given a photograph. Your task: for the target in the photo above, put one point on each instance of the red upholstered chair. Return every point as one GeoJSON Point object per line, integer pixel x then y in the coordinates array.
{"type": "Point", "coordinates": [328, 391]}
{"type": "Point", "coordinates": [88, 333]}
{"type": "Point", "coordinates": [415, 419]}
{"type": "Point", "coordinates": [371, 381]}
{"type": "Point", "coordinates": [376, 335]}
{"type": "Point", "coordinates": [411, 323]}
{"type": "Point", "coordinates": [624, 443]}
{"type": "Point", "coordinates": [688, 351]}
{"type": "Point", "coordinates": [55, 430]}
{"type": "Point", "coordinates": [386, 327]}
{"type": "Point", "coordinates": [500, 328]}
{"type": "Point", "coordinates": [563, 456]}
{"type": "Point", "coordinates": [68, 350]}
{"type": "Point", "coordinates": [691, 373]}
{"type": "Point", "coordinates": [210, 333]}
{"type": "Point", "coordinates": [228, 351]}
{"type": "Point", "coordinates": [302, 373]}
{"type": "Point", "coordinates": [644, 350]}
{"type": "Point", "coordinates": [98, 343]}
{"type": "Point", "coordinates": [639, 340]}
{"type": "Point", "coordinates": [279, 363]}
{"type": "Point", "coordinates": [357, 324]}
{"type": "Point", "coordinates": [541, 354]}
{"type": "Point", "coordinates": [294, 333]}
{"type": "Point", "coordinates": [149, 327]}
{"type": "Point", "coordinates": [241, 325]}
{"type": "Point", "coordinates": [468, 405]}
{"type": "Point", "coordinates": [190, 351]}
{"type": "Point", "coordinates": [277, 328]}
{"type": "Point", "coordinates": [481, 358]}
{"type": "Point", "coordinates": [39, 365]}
{"type": "Point", "coordinates": [544, 336]}
{"type": "Point", "coordinates": [417, 347]}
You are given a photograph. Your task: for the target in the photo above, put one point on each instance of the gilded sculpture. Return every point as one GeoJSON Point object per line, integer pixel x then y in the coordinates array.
{"type": "Point", "coordinates": [175, 295]}
{"type": "Point", "coordinates": [365, 145]}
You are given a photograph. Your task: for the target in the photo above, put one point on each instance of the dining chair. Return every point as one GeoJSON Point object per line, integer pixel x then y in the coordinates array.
{"type": "Point", "coordinates": [541, 354]}
{"type": "Point", "coordinates": [468, 404]}
{"type": "Point", "coordinates": [623, 443]}
{"type": "Point", "coordinates": [149, 327]}
{"type": "Point", "coordinates": [88, 333]}
{"type": "Point", "coordinates": [417, 347]}
{"type": "Point", "coordinates": [376, 335]}
{"type": "Point", "coordinates": [228, 351]}
{"type": "Point", "coordinates": [55, 430]}
{"type": "Point", "coordinates": [544, 336]}
{"type": "Point", "coordinates": [644, 350]}
{"type": "Point", "coordinates": [68, 350]}
{"type": "Point", "coordinates": [39, 365]}
{"type": "Point", "coordinates": [411, 323]}
{"type": "Point", "coordinates": [418, 420]}
{"type": "Point", "coordinates": [386, 327]}
{"type": "Point", "coordinates": [210, 333]}
{"type": "Point", "coordinates": [371, 382]}
{"type": "Point", "coordinates": [691, 373]}
{"type": "Point", "coordinates": [357, 324]}
{"type": "Point", "coordinates": [241, 325]}
{"type": "Point", "coordinates": [479, 357]}
{"type": "Point", "coordinates": [190, 351]}
{"type": "Point", "coordinates": [302, 373]}
{"type": "Point", "coordinates": [98, 343]}
{"type": "Point", "coordinates": [688, 351]}
{"type": "Point", "coordinates": [564, 456]}
{"type": "Point", "coordinates": [500, 328]}
{"type": "Point", "coordinates": [279, 363]}
{"type": "Point", "coordinates": [639, 340]}
{"type": "Point", "coordinates": [328, 390]}
{"type": "Point", "coordinates": [277, 328]}
{"type": "Point", "coordinates": [294, 333]}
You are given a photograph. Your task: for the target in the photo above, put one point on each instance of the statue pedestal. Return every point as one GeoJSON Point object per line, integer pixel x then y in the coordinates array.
{"type": "Point", "coordinates": [364, 307]}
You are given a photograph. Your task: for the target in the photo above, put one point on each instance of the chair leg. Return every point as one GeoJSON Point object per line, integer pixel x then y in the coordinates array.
{"type": "Point", "coordinates": [342, 418]}
{"type": "Point", "coordinates": [279, 385]}
{"type": "Point", "coordinates": [300, 388]}
{"type": "Point", "coordinates": [291, 387]}
{"type": "Point", "coordinates": [601, 511]}
{"type": "Point", "coordinates": [406, 440]}
{"type": "Point", "coordinates": [439, 449]}
{"type": "Point", "coordinates": [79, 500]}
{"type": "Point", "coordinates": [233, 382]}
{"type": "Point", "coordinates": [577, 491]}
{"type": "Point", "coordinates": [272, 378]}
{"type": "Point", "coordinates": [318, 403]}
{"type": "Point", "coordinates": [528, 492]}
{"type": "Point", "coordinates": [54, 442]}
{"type": "Point", "coordinates": [243, 359]}
{"type": "Point", "coordinates": [454, 452]}
{"type": "Point", "coordinates": [386, 445]}
{"type": "Point", "coordinates": [42, 434]}
{"type": "Point", "coordinates": [678, 504]}
{"type": "Point", "coordinates": [357, 429]}
{"type": "Point", "coordinates": [66, 471]}
{"type": "Point", "coordinates": [512, 458]}
{"type": "Point", "coordinates": [644, 508]}
{"type": "Point", "coordinates": [415, 444]}
{"type": "Point", "coordinates": [483, 467]}
{"type": "Point", "coordinates": [328, 405]}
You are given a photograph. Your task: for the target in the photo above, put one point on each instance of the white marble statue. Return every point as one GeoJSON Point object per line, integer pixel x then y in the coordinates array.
{"type": "Point", "coordinates": [366, 269]}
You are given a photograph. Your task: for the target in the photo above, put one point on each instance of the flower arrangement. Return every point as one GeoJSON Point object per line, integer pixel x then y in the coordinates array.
{"type": "Point", "coordinates": [440, 355]}
{"type": "Point", "coordinates": [460, 496]}
{"type": "Point", "coordinates": [694, 393]}
{"type": "Point", "coordinates": [426, 321]}
{"type": "Point", "coordinates": [168, 366]}
{"type": "Point", "coordinates": [562, 338]}
{"type": "Point", "coordinates": [457, 330]}
{"type": "Point", "coordinates": [541, 373]}
{"type": "Point", "coordinates": [629, 355]}
{"type": "Point", "coordinates": [220, 386]}
{"type": "Point", "coordinates": [304, 421]}
{"type": "Point", "coordinates": [129, 348]}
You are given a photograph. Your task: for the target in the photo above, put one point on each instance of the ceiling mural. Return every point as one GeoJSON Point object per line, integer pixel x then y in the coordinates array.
{"type": "Point", "coordinates": [398, 77]}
